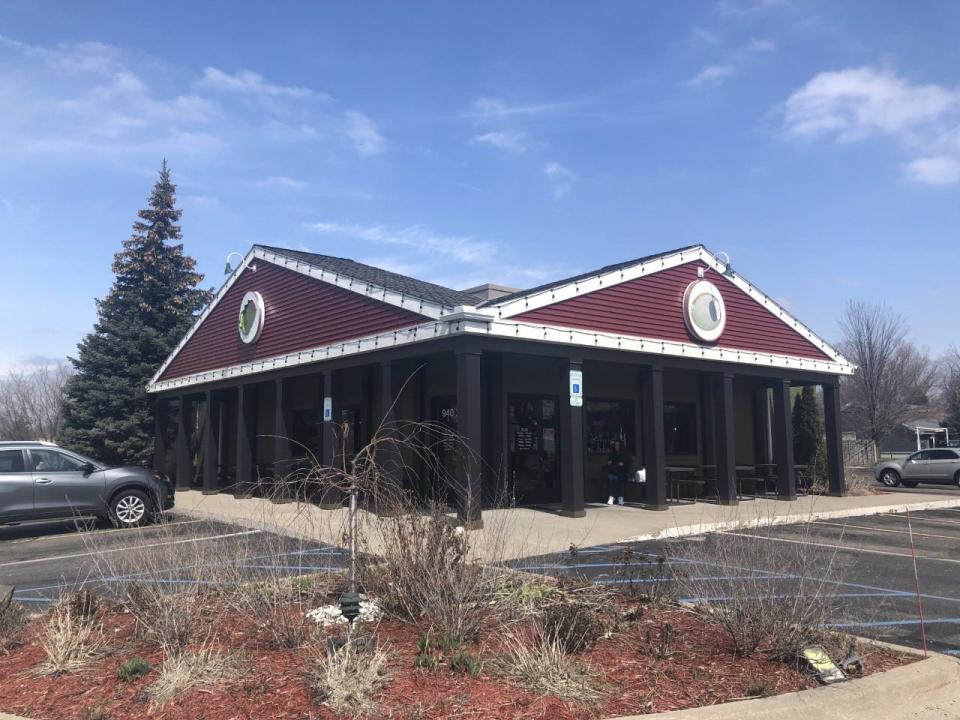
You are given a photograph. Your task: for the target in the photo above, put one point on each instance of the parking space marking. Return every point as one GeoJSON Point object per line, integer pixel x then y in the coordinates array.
{"type": "Point", "coordinates": [127, 547]}
{"type": "Point", "coordinates": [80, 532]}
{"type": "Point", "coordinates": [892, 623]}
{"type": "Point", "coordinates": [843, 547]}
{"type": "Point", "coordinates": [886, 530]}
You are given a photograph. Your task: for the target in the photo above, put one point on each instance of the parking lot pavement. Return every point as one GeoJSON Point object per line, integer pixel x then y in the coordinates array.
{"type": "Point", "coordinates": [876, 590]}
{"type": "Point", "coordinates": [41, 559]}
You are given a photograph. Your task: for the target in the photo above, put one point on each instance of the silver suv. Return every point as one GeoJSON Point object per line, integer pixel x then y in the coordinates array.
{"type": "Point", "coordinates": [936, 466]}
{"type": "Point", "coordinates": [40, 481]}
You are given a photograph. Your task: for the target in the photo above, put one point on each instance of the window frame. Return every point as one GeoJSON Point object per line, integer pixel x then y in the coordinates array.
{"type": "Point", "coordinates": [57, 451]}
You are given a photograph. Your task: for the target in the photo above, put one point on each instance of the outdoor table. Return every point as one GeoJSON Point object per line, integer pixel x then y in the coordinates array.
{"type": "Point", "coordinates": [678, 475]}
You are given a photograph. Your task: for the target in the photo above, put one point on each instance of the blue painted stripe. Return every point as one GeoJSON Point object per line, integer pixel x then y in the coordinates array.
{"type": "Point", "coordinates": [785, 596]}
{"type": "Point", "coordinates": [892, 623]}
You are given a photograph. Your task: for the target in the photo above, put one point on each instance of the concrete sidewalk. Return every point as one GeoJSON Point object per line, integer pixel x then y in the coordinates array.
{"type": "Point", "coordinates": [523, 532]}
{"type": "Point", "coordinates": [924, 690]}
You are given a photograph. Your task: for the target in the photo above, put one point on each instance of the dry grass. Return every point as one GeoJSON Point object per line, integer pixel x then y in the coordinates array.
{"type": "Point", "coordinates": [70, 637]}
{"type": "Point", "coordinates": [347, 679]}
{"type": "Point", "coordinates": [543, 667]}
{"type": "Point", "coordinates": [185, 671]}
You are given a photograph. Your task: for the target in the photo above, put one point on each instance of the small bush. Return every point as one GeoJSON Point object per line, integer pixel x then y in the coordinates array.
{"type": "Point", "coordinates": [12, 619]}
{"type": "Point", "coordinates": [426, 570]}
{"type": "Point", "coordinates": [545, 668]}
{"type": "Point", "coordinates": [69, 640]}
{"type": "Point", "coordinates": [783, 595]}
{"type": "Point", "coordinates": [433, 651]}
{"type": "Point", "coordinates": [761, 688]}
{"type": "Point", "coordinates": [660, 645]}
{"type": "Point", "coordinates": [572, 623]}
{"type": "Point", "coordinates": [188, 670]}
{"type": "Point", "coordinates": [644, 577]}
{"type": "Point", "coordinates": [133, 669]}
{"type": "Point", "coordinates": [347, 678]}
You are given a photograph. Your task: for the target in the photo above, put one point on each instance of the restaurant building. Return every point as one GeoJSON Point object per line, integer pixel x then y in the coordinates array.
{"type": "Point", "coordinates": [677, 355]}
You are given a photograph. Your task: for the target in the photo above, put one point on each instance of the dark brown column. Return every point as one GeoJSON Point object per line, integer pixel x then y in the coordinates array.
{"type": "Point", "coordinates": [470, 428]}
{"type": "Point", "coordinates": [211, 444]}
{"type": "Point", "coordinates": [494, 466]}
{"type": "Point", "coordinates": [654, 451]}
{"type": "Point", "coordinates": [159, 436]}
{"type": "Point", "coordinates": [707, 430]}
{"type": "Point", "coordinates": [571, 445]}
{"type": "Point", "coordinates": [331, 496]}
{"type": "Point", "coordinates": [388, 455]}
{"type": "Point", "coordinates": [282, 449]}
{"type": "Point", "coordinates": [761, 423]}
{"type": "Point", "coordinates": [726, 440]}
{"type": "Point", "coordinates": [831, 421]}
{"type": "Point", "coordinates": [246, 439]}
{"type": "Point", "coordinates": [184, 471]}
{"type": "Point", "coordinates": [783, 441]}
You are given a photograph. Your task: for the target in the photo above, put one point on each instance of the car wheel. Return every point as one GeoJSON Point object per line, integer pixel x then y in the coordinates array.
{"type": "Point", "coordinates": [130, 508]}
{"type": "Point", "coordinates": [890, 478]}
{"type": "Point", "coordinates": [909, 483]}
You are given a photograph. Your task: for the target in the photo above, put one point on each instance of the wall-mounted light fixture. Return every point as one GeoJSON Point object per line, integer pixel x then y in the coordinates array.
{"type": "Point", "coordinates": [229, 268]}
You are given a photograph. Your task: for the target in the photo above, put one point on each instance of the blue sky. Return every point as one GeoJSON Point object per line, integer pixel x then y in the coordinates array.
{"type": "Point", "coordinates": [817, 143]}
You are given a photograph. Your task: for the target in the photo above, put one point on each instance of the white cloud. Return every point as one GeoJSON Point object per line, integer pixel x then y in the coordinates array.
{"type": "Point", "coordinates": [761, 45]}
{"type": "Point", "coordinates": [458, 261]}
{"type": "Point", "coordinates": [939, 170]}
{"type": "Point", "coordinates": [854, 103]}
{"type": "Point", "coordinates": [561, 178]}
{"type": "Point", "coordinates": [362, 132]}
{"type": "Point", "coordinates": [858, 103]}
{"type": "Point", "coordinates": [461, 248]}
{"type": "Point", "coordinates": [246, 81]}
{"type": "Point", "coordinates": [513, 141]}
{"type": "Point", "coordinates": [485, 109]}
{"type": "Point", "coordinates": [283, 182]}
{"type": "Point", "coordinates": [711, 75]}
{"type": "Point", "coordinates": [203, 201]}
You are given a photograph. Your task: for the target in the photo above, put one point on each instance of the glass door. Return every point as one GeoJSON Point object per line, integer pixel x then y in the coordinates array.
{"type": "Point", "coordinates": [533, 449]}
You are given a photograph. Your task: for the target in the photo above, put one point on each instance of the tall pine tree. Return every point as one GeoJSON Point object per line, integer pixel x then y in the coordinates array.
{"type": "Point", "coordinates": [154, 300]}
{"type": "Point", "coordinates": [809, 436]}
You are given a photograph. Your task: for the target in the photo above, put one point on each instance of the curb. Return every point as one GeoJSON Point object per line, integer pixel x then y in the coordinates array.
{"type": "Point", "coordinates": [701, 528]}
{"type": "Point", "coordinates": [896, 694]}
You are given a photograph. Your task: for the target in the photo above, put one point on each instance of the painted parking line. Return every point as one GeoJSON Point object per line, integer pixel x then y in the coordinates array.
{"type": "Point", "coordinates": [894, 623]}
{"type": "Point", "coordinates": [791, 596]}
{"type": "Point", "coordinates": [885, 530]}
{"type": "Point", "coordinates": [846, 548]}
{"type": "Point", "coordinates": [81, 533]}
{"type": "Point", "coordinates": [71, 556]}
{"type": "Point", "coordinates": [578, 566]}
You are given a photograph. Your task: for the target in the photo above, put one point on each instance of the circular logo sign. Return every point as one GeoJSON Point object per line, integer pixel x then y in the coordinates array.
{"type": "Point", "coordinates": [251, 317]}
{"type": "Point", "coordinates": [704, 311]}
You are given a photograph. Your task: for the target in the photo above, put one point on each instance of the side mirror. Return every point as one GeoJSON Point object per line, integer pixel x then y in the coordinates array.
{"type": "Point", "coordinates": [88, 469]}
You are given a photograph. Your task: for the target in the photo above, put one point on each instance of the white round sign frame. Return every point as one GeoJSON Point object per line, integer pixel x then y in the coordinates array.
{"type": "Point", "coordinates": [695, 290]}
{"type": "Point", "coordinates": [252, 333]}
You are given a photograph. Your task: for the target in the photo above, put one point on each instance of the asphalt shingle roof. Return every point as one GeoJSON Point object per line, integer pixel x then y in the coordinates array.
{"type": "Point", "coordinates": [378, 276]}
{"type": "Point", "coordinates": [584, 276]}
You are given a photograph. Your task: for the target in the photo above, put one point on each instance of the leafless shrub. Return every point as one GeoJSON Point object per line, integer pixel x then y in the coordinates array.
{"type": "Point", "coordinates": [347, 677]}
{"type": "Point", "coordinates": [12, 620]}
{"type": "Point", "coordinates": [70, 638]}
{"type": "Point", "coordinates": [425, 570]}
{"type": "Point", "coordinates": [768, 594]}
{"type": "Point", "coordinates": [188, 670]}
{"type": "Point", "coordinates": [543, 667]}
{"type": "Point", "coordinates": [574, 617]}
{"type": "Point", "coordinates": [644, 577]}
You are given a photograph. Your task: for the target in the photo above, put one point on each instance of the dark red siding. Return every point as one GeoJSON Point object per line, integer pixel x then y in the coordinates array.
{"type": "Point", "coordinates": [652, 306]}
{"type": "Point", "coordinates": [301, 313]}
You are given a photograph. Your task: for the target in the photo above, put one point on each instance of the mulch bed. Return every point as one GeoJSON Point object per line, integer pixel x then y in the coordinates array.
{"type": "Point", "coordinates": [700, 669]}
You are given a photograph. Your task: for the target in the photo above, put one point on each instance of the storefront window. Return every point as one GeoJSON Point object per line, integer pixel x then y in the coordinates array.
{"type": "Point", "coordinates": [609, 420]}
{"type": "Point", "coordinates": [680, 428]}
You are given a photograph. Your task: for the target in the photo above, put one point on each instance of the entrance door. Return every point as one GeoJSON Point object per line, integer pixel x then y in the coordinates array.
{"type": "Point", "coordinates": [533, 447]}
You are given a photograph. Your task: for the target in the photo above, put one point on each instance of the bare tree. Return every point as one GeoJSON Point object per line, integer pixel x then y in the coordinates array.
{"type": "Point", "coordinates": [30, 402]}
{"type": "Point", "coordinates": [892, 373]}
{"type": "Point", "coordinates": [950, 389]}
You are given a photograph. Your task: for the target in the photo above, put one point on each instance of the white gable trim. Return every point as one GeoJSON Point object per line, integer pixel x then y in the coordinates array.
{"type": "Point", "coordinates": [360, 287]}
{"type": "Point", "coordinates": [576, 288]}
{"type": "Point", "coordinates": [481, 322]}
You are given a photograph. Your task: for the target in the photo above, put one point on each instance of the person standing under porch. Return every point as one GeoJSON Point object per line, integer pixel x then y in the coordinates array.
{"type": "Point", "coordinates": [617, 467]}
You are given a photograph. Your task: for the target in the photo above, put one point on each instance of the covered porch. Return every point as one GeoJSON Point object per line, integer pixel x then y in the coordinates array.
{"type": "Point", "coordinates": [701, 429]}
